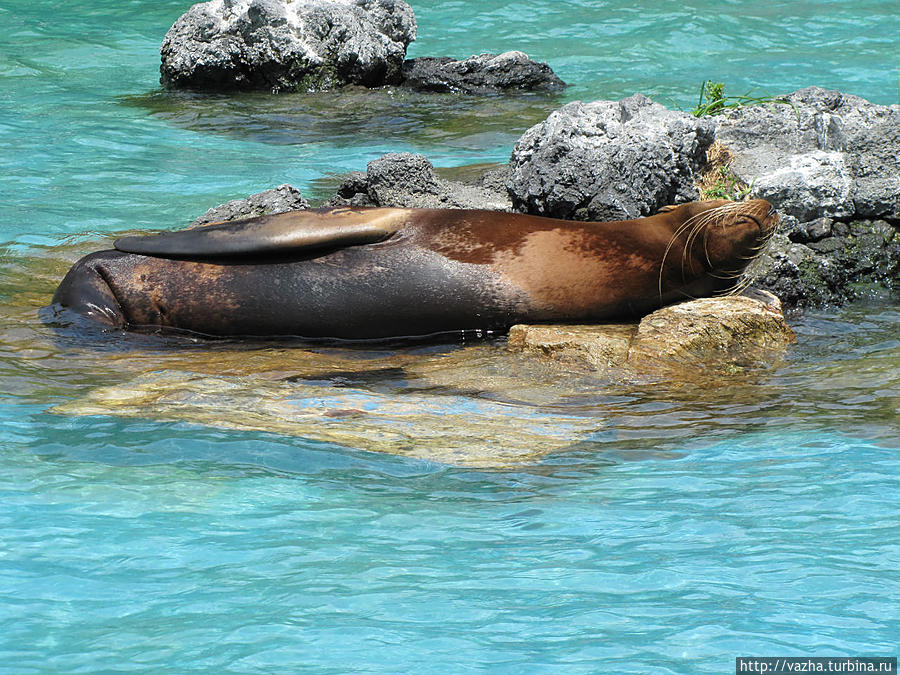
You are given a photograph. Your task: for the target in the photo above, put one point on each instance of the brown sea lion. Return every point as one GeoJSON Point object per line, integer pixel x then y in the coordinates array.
{"type": "Point", "coordinates": [361, 274]}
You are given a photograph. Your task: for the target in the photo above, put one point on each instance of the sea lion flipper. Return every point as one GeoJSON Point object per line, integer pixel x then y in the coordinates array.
{"type": "Point", "coordinates": [279, 234]}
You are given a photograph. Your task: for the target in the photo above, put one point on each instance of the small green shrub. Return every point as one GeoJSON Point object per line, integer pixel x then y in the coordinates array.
{"type": "Point", "coordinates": [725, 185]}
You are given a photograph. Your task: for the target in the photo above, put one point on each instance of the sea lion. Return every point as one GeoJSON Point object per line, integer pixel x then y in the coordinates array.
{"type": "Point", "coordinates": [374, 273]}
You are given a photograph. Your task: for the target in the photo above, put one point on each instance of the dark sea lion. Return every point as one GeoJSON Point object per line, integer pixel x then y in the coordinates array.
{"type": "Point", "coordinates": [361, 274]}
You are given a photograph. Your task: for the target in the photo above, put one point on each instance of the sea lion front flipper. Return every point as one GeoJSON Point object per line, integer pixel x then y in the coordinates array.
{"type": "Point", "coordinates": [279, 234]}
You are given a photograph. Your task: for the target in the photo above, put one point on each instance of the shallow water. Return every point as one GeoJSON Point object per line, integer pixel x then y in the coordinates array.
{"type": "Point", "coordinates": [242, 522]}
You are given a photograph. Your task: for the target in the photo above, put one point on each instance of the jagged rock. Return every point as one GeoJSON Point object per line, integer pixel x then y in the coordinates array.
{"type": "Point", "coordinates": [482, 74]}
{"type": "Point", "coordinates": [830, 163]}
{"type": "Point", "coordinates": [823, 155]}
{"type": "Point", "coordinates": [409, 180]}
{"type": "Point", "coordinates": [715, 334]}
{"type": "Point", "coordinates": [403, 179]}
{"type": "Point", "coordinates": [825, 263]}
{"type": "Point", "coordinates": [608, 160]}
{"type": "Point", "coordinates": [353, 191]}
{"type": "Point", "coordinates": [287, 44]}
{"type": "Point", "coordinates": [277, 200]}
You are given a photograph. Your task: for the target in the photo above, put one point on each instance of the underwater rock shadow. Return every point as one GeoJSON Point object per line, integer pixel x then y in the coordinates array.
{"type": "Point", "coordinates": [349, 116]}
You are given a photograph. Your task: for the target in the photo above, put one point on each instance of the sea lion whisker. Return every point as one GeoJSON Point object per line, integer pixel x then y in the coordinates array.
{"type": "Point", "coordinates": [691, 239]}
{"type": "Point", "coordinates": [662, 265]}
{"type": "Point", "coordinates": [700, 226]}
{"type": "Point", "coordinates": [740, 287]}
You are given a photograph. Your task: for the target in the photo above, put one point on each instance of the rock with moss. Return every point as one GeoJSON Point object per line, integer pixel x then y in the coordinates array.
{"type": "Point", "coordinates": [826, 262]}
{"type": "Point", "coordinates": [830, 163]}
{"type": "Point", "coordinates": [287, 45]}
{"type": "Point", "coordinates": [482, 74]}
{"type": "Point", "coordinates": [608, 160]}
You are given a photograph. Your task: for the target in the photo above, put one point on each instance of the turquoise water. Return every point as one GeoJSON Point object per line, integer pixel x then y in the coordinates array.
{"type": "Point", "coordinates": [695, 523]}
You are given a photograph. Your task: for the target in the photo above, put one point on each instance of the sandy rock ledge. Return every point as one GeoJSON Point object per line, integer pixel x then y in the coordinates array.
{"type": "Point", "coordinates": [723, 334]}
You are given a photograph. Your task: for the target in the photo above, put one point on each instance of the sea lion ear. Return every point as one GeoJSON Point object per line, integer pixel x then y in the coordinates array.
{"type": "Point", "coordinates": [667, 208]}
{"type": "Point", "coordinates": [276, 235]}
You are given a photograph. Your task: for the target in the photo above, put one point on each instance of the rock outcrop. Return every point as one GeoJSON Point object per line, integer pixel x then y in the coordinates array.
{"type": "Point", "coordinates": [828, 262]}
{"type": "Point", "coordinates": [409, 180]}
{"type": "Point", "coordinates": [277, 200]}
{"type": "Point", "coordinates": [309, 45]}
{"type": "Point", "coordinates": [287, 45]}
{"type": "Point", "coordinates": [823, 155]}
{"type": "Point", "coordinates": [830, 163]}
{"type": "Point", "coordinates": [482, 74]}
{"type": "Point", "coordinates": [608, 160]}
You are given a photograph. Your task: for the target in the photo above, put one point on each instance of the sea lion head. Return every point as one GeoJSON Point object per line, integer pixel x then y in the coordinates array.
{"type": "Point", "coordinates": [719, 237]}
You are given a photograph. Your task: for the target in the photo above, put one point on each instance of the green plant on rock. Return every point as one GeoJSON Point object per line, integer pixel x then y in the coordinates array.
{"type": "Point", "coordinates": [713, 100]}
{"type": "Point", "coordinates": [717, 180]}
{"type": "Point", "coordinates": [725, 185]}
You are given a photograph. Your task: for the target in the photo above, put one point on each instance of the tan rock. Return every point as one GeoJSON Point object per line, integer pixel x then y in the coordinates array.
{"type": "Point", "coordinates": [717, 333]}
{"type": "Point", "coordinates": [726, 331]}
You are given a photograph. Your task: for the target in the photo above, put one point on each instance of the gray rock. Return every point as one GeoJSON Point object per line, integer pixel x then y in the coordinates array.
{"type": "Point", "coordinates": [827, 154]}
{"type": "Point", "coordinates": [859, 261]}
{"type": "Point", "coordinates": [403, 179]}
{"type": "Point", "coordinates": [408, 180]}
{"type": "Point", "coordinates": [482, 74]}
{"type": "Point", "coordinates": [277, 200]}
{"type": "Point", "coordinates": [608, 160]}
{"type": "Point", "coordinates": [287, 44]}
{"type": "Point", "coordinates": [353, 191]}
{"type": "Point", "coordinates": [812, 231]}
{"type": "Point", "coordinates": [830, 163]}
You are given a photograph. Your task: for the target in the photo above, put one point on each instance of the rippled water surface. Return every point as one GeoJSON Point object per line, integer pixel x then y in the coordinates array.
{"type": "Point", "coordinates": [176, 506]}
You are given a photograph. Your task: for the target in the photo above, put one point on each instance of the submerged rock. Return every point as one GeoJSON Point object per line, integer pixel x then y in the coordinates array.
{"type": "Point", "coordinates": [277, 200]}
{"type": "Point", "coordinates": [295, 45]}
{"type": "Point", "coordinates": [451, 428]}
{"type": "Point", "coordinates": [482, 74]}
{"type": "Point", "coordinates": [608, 160]}
{"type": "Point", "coordinates": [713, 334]}
{"type": "Point", "coordinates": [409, 180]}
